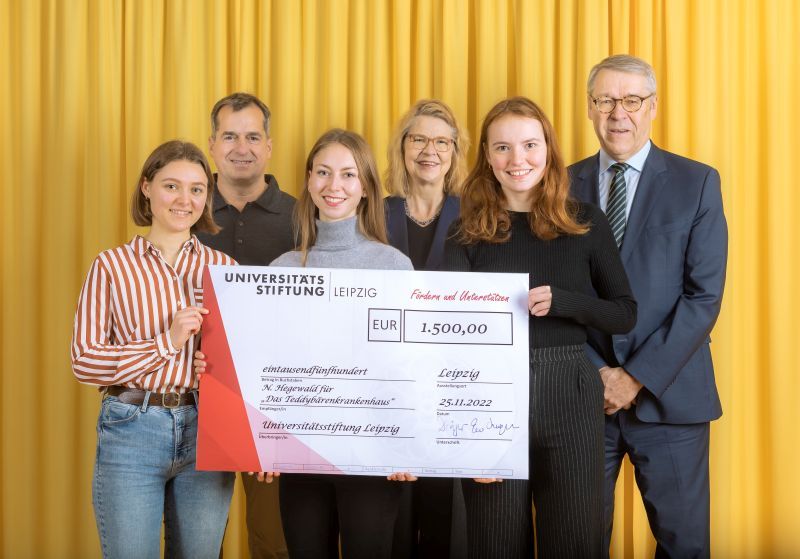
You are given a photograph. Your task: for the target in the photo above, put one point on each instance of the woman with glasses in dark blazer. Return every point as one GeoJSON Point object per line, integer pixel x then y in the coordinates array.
{"type": "Point", "coordinates": [427, 164]}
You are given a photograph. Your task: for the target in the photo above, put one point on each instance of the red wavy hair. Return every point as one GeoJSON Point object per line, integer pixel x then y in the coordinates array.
{"type": "Point", "coordinates": [553, 212]}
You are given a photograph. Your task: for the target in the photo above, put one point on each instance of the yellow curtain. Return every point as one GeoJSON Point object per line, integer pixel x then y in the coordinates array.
{"type": "Point", "coordinates": [89, 87]}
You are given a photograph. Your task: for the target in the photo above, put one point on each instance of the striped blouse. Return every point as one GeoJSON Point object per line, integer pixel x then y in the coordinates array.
{"type": "Point", "coordinates": [126, 306]}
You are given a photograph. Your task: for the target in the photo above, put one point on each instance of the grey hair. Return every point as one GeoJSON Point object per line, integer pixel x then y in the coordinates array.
{"type": "Point", "coordinates": [623, 63]}
{"type": "Point", "coordinates": [237, 102]}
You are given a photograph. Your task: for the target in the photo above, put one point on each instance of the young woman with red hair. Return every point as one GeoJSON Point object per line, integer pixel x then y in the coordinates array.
{"type": "Point", "coordinates": [517, 216]}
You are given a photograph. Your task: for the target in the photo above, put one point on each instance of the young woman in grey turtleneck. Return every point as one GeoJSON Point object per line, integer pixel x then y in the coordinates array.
{"type": "Point", "coordinates": [340, 244]}
{"type": "Point", "coordinates": [340, 219]}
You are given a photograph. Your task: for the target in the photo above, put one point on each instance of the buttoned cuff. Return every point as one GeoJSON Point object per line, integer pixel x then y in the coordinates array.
{"type": "Point", "coordinates": [164, 345]}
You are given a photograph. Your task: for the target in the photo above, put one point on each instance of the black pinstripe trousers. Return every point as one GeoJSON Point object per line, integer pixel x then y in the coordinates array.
{"type": "Point", "coordinates": [566, 470]}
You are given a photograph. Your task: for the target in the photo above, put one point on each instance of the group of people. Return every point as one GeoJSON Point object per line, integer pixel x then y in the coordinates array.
{"type": "Point", "coordinates": [626, 255]}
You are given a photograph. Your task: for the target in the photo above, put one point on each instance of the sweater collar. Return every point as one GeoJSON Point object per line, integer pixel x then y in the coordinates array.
{"type": "Point", "coordinates": [337, 234]}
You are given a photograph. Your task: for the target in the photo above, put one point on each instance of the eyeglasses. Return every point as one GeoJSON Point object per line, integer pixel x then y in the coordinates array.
{"type": "Point", "coordinates": [631, 103]}
{"type": "Point", "coordinates": [420, 142]}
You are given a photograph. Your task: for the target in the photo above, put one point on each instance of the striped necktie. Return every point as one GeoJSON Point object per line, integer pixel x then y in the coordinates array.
{"type": "Point", "coordinates": [617, 202]}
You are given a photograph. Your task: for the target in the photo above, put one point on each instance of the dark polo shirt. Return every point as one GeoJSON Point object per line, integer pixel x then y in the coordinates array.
{"type": "Point", "coordinates": [258, 234]}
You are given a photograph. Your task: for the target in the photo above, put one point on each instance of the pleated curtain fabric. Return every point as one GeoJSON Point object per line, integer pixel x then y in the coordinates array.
{"type": "Point", "coordinates": [617, 202]}
{"type": "Point", "coordinates": [96, 85]}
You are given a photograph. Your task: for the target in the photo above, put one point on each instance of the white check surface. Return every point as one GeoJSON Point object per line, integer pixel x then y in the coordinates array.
{"type": "Point", "coordinates": [371, 372]}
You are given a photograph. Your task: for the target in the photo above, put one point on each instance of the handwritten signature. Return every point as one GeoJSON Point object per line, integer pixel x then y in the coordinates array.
{"type": "Point", "coordinates": [476, 426]}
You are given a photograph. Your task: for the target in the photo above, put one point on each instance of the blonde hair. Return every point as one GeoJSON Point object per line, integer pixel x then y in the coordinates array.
{"type": "Point", "coordinates": [397, 182]}
{"type": "Point", "coordinates": [371, 220]}
{"type": "Point", "coordinates": [552, 212]}
{"type": "Point", "coordinates": [174, 150]}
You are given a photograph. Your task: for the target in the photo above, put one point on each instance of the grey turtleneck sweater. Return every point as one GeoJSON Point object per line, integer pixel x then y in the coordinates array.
{"type": "Point", "coordinates": [341, 245]}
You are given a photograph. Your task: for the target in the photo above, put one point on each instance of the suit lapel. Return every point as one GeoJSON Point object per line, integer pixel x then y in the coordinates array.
{"type": "Point", "coordinates": [448, 214]}
{"type": "Point", "coordinates": [398, 229]}
{"type": "Point", "coordinates": [650, 184]}
{"type": "Point", "coordinates": [586, 179]}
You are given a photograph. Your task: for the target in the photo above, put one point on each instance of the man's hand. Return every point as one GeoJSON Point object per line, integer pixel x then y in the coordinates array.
{"type": "Point", "coordinates": [401, 476]}
{"type": "Point", "coordinates": [199, 363]}
{"type": "Point", "coordinates": [621, 389]}
{"type": "Point", "coordinates": [265, 477]}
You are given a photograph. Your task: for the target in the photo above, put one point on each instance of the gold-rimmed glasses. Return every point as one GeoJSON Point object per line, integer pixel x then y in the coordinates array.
{"type": "Point", "coordinates": [631, 103]}
{"type": "Point", "coordinates": [419, 142]}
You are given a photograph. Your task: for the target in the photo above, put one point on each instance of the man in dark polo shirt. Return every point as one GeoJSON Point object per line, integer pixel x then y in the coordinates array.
{"type": "Point", "coordinates": [256, 220]}
{"type": "Point", "coordinates": [255, 215]}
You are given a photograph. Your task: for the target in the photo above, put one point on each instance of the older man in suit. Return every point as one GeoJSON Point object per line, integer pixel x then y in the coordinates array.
{"type": "Point", "coordinates": [660, 394]}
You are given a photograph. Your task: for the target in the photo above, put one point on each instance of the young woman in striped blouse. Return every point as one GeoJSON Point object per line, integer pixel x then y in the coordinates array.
{"type": "Point", "coordinates": [138, 321]}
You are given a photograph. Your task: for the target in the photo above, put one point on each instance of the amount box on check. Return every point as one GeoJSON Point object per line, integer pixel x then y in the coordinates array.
{"type": "Point", "coordinates": [458, 327]}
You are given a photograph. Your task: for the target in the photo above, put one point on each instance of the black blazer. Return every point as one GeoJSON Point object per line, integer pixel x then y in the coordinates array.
{"type": "Point", "coordinates": [397, 228]}
{"type": "Point", "coordinates": [675, 252]}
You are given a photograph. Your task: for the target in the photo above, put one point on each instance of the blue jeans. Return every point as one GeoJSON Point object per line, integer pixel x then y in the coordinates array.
{"type": "Point", "coordinates": [145, 471]}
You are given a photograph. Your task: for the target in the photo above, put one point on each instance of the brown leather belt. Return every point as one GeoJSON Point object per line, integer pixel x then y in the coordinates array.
{"type": "Point", "coordinates": [135, 397]}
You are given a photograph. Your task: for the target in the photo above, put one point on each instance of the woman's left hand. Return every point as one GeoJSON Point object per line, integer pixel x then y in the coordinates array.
{"type": "Point", "coordinates": [539, 300]}
{"type": "Point", "coordinates": [401, 476]}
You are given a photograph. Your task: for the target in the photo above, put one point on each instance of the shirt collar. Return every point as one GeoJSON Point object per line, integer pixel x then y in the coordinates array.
{"type": "Point", "coordinates": [140, 245]}
{"type": "Point", "coordinates": [194, 244]}
{"type": "Point", "coordinates": [269, 199]}
{"type": "Point", "coordinates": [636, 162]}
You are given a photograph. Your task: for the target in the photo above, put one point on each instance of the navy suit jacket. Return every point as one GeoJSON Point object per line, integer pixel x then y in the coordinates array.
{"type": "Point", "coordinates": [675, 252]}
{"type": "Point", "coordinates": [397, 228]}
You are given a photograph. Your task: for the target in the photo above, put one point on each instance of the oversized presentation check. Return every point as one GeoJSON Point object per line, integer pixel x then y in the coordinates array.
{"type": "Point", "coordinates": [365, 372]}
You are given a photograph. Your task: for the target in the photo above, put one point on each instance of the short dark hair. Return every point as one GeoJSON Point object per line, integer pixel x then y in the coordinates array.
{"type": "Point", "coordinates": [174, 150]}
{"type": "Point", "coordinates": [238, 101]}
